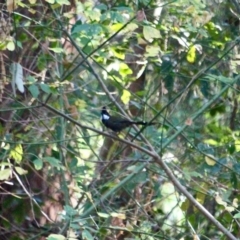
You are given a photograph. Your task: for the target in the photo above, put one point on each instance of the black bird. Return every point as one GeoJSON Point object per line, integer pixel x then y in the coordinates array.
{"type": "Point", "coordinates": [117, 124]}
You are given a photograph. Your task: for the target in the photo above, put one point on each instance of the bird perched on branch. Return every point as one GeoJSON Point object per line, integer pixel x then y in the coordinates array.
{"type": "Point", "coordinates": [117, 124]}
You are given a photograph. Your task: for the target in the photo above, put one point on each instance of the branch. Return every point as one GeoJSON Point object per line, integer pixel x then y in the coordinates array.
{"type": "Point", "coordinates": [158, 160]}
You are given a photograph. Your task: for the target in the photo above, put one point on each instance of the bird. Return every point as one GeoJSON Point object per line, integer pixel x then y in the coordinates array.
{"type": "Point", "coordinates": [117, 124]}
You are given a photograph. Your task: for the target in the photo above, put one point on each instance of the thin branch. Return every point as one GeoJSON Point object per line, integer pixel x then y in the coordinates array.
{"type": "Point", "coordinates": [159, 161]}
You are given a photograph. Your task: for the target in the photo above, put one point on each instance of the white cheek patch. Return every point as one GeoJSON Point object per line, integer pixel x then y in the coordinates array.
{"type": "Point", "coordinates": [105, 117]}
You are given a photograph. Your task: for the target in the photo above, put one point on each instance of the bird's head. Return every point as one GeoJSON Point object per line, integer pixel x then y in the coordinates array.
{"type": "Point", "coordinates": [105, 114]}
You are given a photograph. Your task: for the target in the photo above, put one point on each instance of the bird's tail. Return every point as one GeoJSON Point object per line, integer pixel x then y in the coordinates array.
{"type": "Point", "coordinates": [144, 123]}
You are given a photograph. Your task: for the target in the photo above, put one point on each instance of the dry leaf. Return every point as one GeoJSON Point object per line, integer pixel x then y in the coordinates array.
{"type": "Point", "coordinates": [141, 16]}
{"type": "Point", "coordinates": [209, 159]}
{"type": "Point", "coordinates": [189, 122]}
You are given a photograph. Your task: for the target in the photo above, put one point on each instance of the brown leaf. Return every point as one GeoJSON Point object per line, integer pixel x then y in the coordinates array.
{"type": "Point", "coordinates": [189, 122]}
{"type": "Point", "coordinates": [141, 16]}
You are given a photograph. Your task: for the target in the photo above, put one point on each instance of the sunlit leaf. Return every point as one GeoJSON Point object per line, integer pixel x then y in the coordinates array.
{"type": "Point", "coordinates": [5, 174]}
{"type": "Point", "coordinates": [131, 27]}
{"type": "Point", "coordinates": [237, 145]}
{"type": "Point", "coordinates": [235, 202]}
{"type": "Point", "coordinates": [219, 200]}
{"type": "Point", "coordinates": [11, 46]}
{"type": "Point", "coordinates": [56, 237]}
{"type": "Point", "coordinates": [118, 54]}
{"type": "Point", "coordinates": [56, 49]}
{"type": "Point", "coordinates": [61, 2]}
{"type": "Point", "coordinates": [230, 208]}
{"type": "Point", "coordinates": [50, 1]}
{"type": "Point", "coordinates": [126, 96]}
{"type": "Point", "coordinates": [89, 196]}
{"type": "Point", "coordinates": [115, 27]}
{"type": "Point", "coordinates": [169, 204]}
{"type": "Point", "coordinates": [237, 215]}
{"type": "Point", "coordinates": [152, 51]}
{"type": "Point", "coordinates": [38, 164]}
{"type": "Point", "coordinates": [209, 160]}
{"type": "Point", "coordinates": [150, 33]}
{"type": "Point", "coordinates": [142, 68]}
{"type": "Point", "coordinates": [129, 226]}
{"type": "Point", "coordinates": [80, 103]}
{"type": "Point", "coordinates": [124, 70]}
{"type": "Point", "coordinates": [191, 55]}
{"type": "Point", "coordinates": [118, 215]}
{"type": "Point", "coordinates": [181, 40]}
{"type": "Point", "coordinates": [16, 153]}
{"type": "Point", "coordinates": [21, 171]}
{"type": "Point", "coordinates": [103, 215]}
{"type": "Point", "coordinates": [211, 142]}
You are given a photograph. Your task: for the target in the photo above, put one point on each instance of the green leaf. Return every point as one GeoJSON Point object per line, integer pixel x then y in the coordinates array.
{"type": "Point", "coordinates": [124, 70]}
{"type": "Point", "coordinates": [31, 79]}
{"type": "Point", "coordinates": [169, 203]}
{"type": "Point", "coordinates": [211, 142]}
{"type": "Point", "coordinates": [19, 44]}
{"type": "Point", "coordinates": [118, 54]}
{"type": "Point", "coordinates": [209, 159]}
{"type": "Point", "coordinates": [21, 171]}
{"type": "Point", "coordinates": [150, 33]}
{"type": "Point", "coordinates": [56, 237]}
{"type": "Point", "coordinates": [90, 29]}
{"type": "Point", "coordinates": [141, 70]}
{"type": "Point", "coordinates": [17, 153]}
{"type": "Point", "coordinates": [181, 40]}
{"type": "Point", "coordinates": [237, 215]}
{"type": "Point", "coordinates": [101, 6]}
{"type": "Point", "coordinates": [152, 51]}
{"type": "Point", "coordinates": [126, 96]}
{"type": "Point", "coordinates": [2, 45]}
{"type": "Point", "coordinates": [188, 174]}
{"type": "Point", "coordinates": [116, 27]}
{"type": "Point", "coordinates": [38, 164]}
{"type": "Point", "coordinates": [5, 174]}
{"type": "Point", "coordinates": [45, 88]}
{"type": "Point", "coordinates": [56, 49]}
{"type": "Point", "coordinates": [61, 2]}
{"type": "Point", "coordinates": [34, 90]}
{"type": "Point", "coordinates": [11, 46]}
{"type": "Point", "coordinates": [118, 215]}
{"type": "Point", "coordinates": [53, 161]}
{"type": "Point", "coordinates": [225, 79]}
{"type": "Point", "coordinates": [103, 215]}
{"type": "Point", "coordinates": [87, 235]}
{"type": "Point", "coordinates": [131, 27]}
{"type": "Point", "coordinates": [191, 55]}
{"type": "Point", "coordinates": [70, 211]}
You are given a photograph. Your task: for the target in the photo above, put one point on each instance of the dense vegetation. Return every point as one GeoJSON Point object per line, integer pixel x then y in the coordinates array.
{"type": "Point", "coordinates": [63, 175]}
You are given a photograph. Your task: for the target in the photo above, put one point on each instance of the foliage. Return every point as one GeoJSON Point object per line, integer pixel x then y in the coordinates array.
{"type": "Point", "coordinates": [174, 63]}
